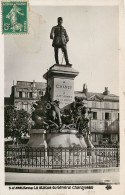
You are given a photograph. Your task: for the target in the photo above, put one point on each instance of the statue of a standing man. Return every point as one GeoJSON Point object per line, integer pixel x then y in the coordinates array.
{"type": "Point", "coordinates": [60, 39]}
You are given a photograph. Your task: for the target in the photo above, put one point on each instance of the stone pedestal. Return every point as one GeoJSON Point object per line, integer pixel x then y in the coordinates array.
{"type": "Point", "coordinates": [37, 138]}
{"type": "Point", "coordinates": [63, 145]}
{"type": "Point", "coordinates": [66, 138]}
{"type": "Point", "coordinates": [61, 83]}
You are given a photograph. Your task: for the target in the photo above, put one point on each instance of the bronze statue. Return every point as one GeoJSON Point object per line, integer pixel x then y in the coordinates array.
{"type": "Point", "coordinates": [46, 114]}
{"type": "Point", "coordinates": [60, 39]}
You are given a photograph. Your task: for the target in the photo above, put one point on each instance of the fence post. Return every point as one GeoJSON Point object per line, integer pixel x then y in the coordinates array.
{"type": "Point", "coordinates": [118, 158]}
{"type": "Point", "coordinates": [6, 161]}
{"type": "Point", "coordinates": [28, 156]}
{"type": "Point", "coordinates": [21, 157]}
{"type": "Point", "coordinates": [61, 157]}
{"type": "Point", "coordinates": [65, 157]}
{"type": "Point", "coordinates": [85, 156]}
{"type": "Point", "coordinates": [18, 157]}
{"type": "Point", "coordinates": [41, 151]}
{"type": "Point", "coordinates": [48, 156]}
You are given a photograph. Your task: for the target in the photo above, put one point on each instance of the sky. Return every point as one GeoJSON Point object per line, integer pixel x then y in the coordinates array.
{"type": "Point", "coordinates": [92, 48]}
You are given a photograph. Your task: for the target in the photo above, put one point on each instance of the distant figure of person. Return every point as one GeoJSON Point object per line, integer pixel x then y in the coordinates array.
{"type": "Point", "coordinates": [60, 39]}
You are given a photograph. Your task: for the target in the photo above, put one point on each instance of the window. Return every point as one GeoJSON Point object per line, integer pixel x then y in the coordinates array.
{"type": "Point", "coordinates": [106, 116]}
{"type": "Point", "coordinates": [20, 94]}
{"type": "Point", "coordinates": [94, 115]}
{"type": "Point", "coordinates": [30, 94]}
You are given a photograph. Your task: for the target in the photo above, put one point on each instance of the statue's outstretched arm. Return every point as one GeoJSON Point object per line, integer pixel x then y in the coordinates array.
{"type": "Point", "coordinates": [20, 13]}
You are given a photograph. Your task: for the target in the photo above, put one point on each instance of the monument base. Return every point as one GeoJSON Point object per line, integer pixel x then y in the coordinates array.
{"type": "Point", "coordinates": [66, 138]}
{"type": "Point", "coordinates": [65, 145]}
{"type": "Point", "coordinates": [37, 138]}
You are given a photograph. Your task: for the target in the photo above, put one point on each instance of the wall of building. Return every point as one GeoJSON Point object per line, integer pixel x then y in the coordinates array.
{"type": "Point", "coordinates": [105, 120]}
{"type": "Point", "coordinates": [24, 94]}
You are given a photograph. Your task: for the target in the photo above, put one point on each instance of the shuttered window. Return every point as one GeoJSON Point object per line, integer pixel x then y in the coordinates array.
{"type": "Point", "coordinates": [94, 115]}
{"type": "Point", "coordinates": [106, 116]}
{"type": "Point", "coordinates": [20, 94]}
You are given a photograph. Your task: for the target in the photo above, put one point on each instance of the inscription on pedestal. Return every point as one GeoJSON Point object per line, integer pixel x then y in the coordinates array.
{"type": "Point", "coordinates": [61, 83]}
{"type": "Point", "coordinates": [63, 91]}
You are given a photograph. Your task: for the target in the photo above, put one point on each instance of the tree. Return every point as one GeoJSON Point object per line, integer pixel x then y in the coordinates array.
{"type": "Point", "coordinates": [17, 122]}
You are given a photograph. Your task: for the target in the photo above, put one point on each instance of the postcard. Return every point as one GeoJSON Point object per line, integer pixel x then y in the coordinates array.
{"type": "Point", "coordinates": [62, 101]}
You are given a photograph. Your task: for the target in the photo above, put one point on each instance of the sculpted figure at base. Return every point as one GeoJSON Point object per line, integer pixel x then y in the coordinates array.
{"type": "Point", "coordinates": [60, 39]}
{"type": "Point", "coordinates": [81, 120]}
{"type": "Point", "coordinates": [47, 115]}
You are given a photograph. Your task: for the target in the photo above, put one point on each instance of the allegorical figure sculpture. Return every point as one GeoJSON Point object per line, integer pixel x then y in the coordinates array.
{"type": "Point", "coordinates": [81, 120]}
{"type": "Point", "coordinates": [60, 39]}
{"type": "Point", "coordinates": [13, 16]}
{"type": "Point", "coordinates": [48, 115]}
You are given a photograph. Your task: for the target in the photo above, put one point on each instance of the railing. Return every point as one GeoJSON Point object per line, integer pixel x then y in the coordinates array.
{"type": "Point", "coordinates": [62, 157]}
{"type": "Point", "coordinates": [106, 146]}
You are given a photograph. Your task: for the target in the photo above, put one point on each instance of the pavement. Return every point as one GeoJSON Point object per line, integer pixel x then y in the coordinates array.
{"type": "Point", "coordinates": [58, 179]}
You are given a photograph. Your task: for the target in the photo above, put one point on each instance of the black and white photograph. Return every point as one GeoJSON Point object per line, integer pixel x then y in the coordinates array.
{"type": "Point", "coordinates": [61, 97]}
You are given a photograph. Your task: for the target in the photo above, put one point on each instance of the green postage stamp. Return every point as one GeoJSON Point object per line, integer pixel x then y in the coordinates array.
{"type": "Point", "coordinates": [14, 17]}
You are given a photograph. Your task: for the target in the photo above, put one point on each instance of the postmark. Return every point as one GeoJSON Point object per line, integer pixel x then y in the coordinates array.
{"type": "Point", "coordinates": [14, 17]}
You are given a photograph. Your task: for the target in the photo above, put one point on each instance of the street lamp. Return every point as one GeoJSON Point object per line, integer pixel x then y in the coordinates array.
{"type": "Point", "coordinates": [90, 113]}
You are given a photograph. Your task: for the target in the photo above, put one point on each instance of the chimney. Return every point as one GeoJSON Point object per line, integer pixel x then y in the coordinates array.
{"type": "Point", "coordinates": [85, 90]}
{"type": "Point", "coordinates": [106, 92]}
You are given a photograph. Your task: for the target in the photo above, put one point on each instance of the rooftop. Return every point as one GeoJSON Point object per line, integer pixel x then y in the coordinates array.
{"type": "Point", "coordinates": [104, 96]}
{"type": "Point", "coordinates": [25, 84]}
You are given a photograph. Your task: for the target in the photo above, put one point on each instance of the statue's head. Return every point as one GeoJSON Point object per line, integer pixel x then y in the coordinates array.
{"type": "Point", "coordinates": [14, 6]}
{"type": "Point", "coordinates": [60, 20]}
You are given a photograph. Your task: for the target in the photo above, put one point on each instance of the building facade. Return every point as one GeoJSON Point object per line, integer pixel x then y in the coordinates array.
{"type": "Point", "coordinates": [25, 93]}
{"type": "Point", "coordinates": [105, 115]}
{"type": "Point", "coordinates": [104, 121]}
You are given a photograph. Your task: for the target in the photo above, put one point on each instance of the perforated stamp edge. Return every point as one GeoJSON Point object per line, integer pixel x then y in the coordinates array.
{"type": "Point", "coordinates": [28, 24]}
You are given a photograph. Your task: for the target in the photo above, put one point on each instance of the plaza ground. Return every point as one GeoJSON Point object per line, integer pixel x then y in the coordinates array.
{"type": "Point", "coordinates": [58, 179]}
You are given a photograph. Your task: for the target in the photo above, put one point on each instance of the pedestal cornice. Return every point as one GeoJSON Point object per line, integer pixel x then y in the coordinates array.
{"type": "Point", "coordinates": [61, 71]}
